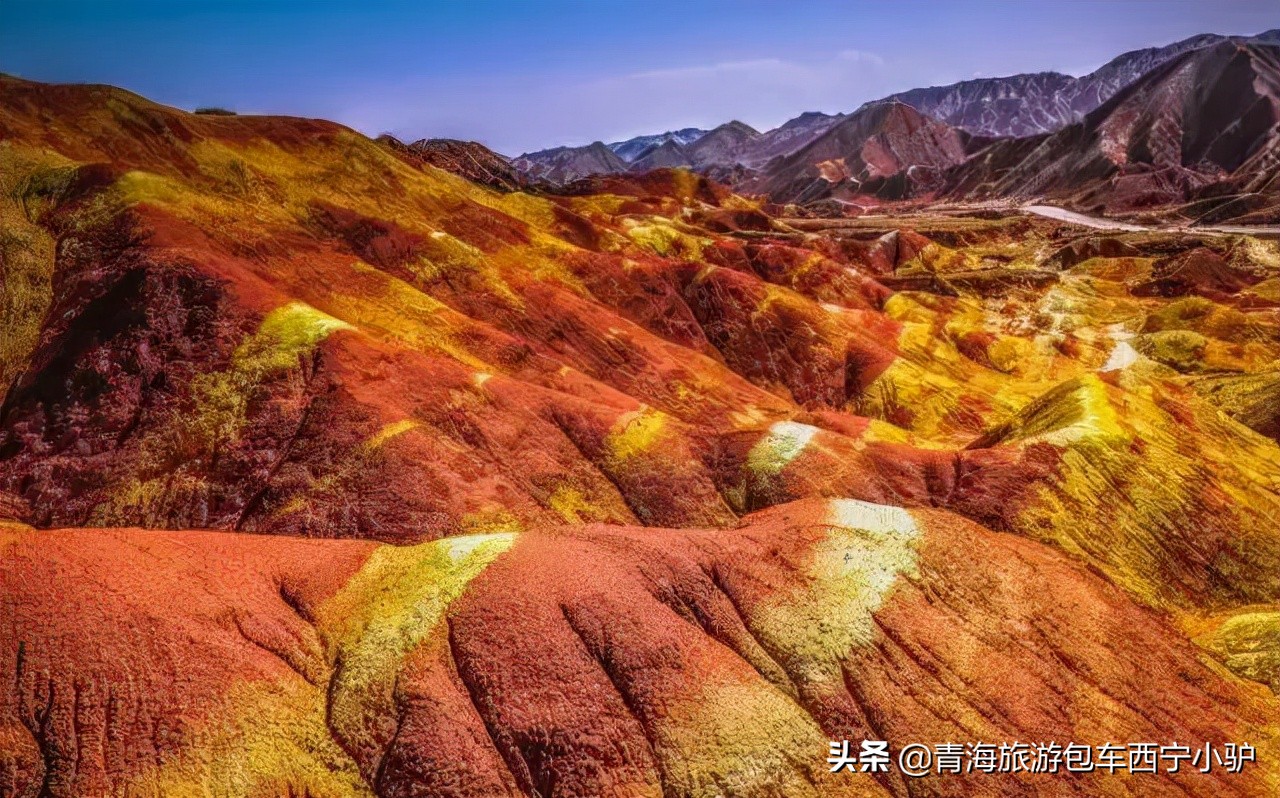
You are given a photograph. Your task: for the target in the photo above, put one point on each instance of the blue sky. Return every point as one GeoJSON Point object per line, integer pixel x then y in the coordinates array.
{"type": "Point", "coordinates": [525, 75]}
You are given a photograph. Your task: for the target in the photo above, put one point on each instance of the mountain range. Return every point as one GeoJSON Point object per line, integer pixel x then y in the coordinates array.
{"type": "Point", "coordinates": [632, 149]}
{"type": "Point", "coordinates": [1201, 131]}
{"type": "Point", "coordinates": [1043, 102]}
{"type": "Point", "coordinates": [1011, 137]}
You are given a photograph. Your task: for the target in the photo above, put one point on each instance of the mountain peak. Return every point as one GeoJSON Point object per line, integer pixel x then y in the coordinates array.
{"type": "Point", "coordinates": [468, 159]}
{"type": "Point", "coordinates": [974, 113]}
{"type": "Point", "coordinates": [884, 146]}
{"type": "Point", "coordinates": [1207, 115]}
{"type": "Point", "coordinates": [565, 164]}
{"type": "Point", "coordinates": [668, 154]}
{"type": "Point", "coordinates": [632, 149]}
{"type": "Point", "coordinates": [737, 126]}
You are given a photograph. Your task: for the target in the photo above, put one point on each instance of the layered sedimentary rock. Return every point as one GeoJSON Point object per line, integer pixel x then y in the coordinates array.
{"type": "Point", "coordinates": [884, 149]}
{"type": "Point", "coordinates": [581, 661]}
{"type": "Point", "coordinates": [332, 472]}
{"type": "Point", "coordinates": [1045, 102]}
{"type": "Point", "coordinates": [466, 158]}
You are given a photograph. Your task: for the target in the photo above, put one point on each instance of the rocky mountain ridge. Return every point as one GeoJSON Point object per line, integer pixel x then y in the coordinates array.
{"type": "Point", "coordinates": [1030, 104]}
{"type": "Point", "coordinates": [632, 149]}
{"type": "Point", "coordinates": [996, 122]}
{"type": "Point", "coordinates": [1200, 134]}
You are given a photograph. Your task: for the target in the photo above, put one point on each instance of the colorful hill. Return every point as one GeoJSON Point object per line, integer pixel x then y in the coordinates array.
{"type": "Point", "coordinates": [328, 468]}
{"type": "Point", "coordinates": [583, 661]}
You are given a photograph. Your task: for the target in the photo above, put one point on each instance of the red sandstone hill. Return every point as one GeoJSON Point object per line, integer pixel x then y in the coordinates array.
{"type": "Point", "coordinates": [328, 472]}
{"type": "Point", "coordinates": [884, 149]}
{"type": "Point", "coordinates": [584, 661]}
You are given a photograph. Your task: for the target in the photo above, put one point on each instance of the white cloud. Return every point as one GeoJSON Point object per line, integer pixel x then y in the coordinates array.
{"type": "Point", "coordinates": [859, 56]}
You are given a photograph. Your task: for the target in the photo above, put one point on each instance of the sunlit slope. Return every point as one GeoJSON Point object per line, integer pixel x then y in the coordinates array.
{"type": "Point", "coordinates": [583, 661]}
{"type": "Point", "coordinates": [278, 324]}
{"type": "Point", "coordinates": [250, 318]}
{"type": "Point", "coordinates": [681, 490]}
{"type": "Point", "coordinates": [268, 323]}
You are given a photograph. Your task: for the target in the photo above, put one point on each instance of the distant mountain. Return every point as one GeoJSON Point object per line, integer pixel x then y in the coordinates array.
{"type": "Point", "coordinates": [723, 146]}
{"type": "Point", "coordinates": [733, 148]}
{"type": "Point", "coordinates": [1188, 124]}
{"type": "Point", "coordinates": [1018, 105]}
{"type": "Point", "coordinates": [1043, 102]}
{"type": "Point", "coordinates": [668, 154]}
{"type": "Point", "coordinates": [1203, 129]}
{"type": "Point", "coordinates": [632, 149]}
{"type": "Point", "coordinates": [469, 159]}
{"type": "Point", "coordinates": [883, 148]}
{"type": "Point", "coordinates": [789, 137]}
{"type": "Point", "coordinates": [565, 164]}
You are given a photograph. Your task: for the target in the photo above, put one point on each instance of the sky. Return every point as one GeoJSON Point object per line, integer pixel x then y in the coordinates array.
{"type": "Point", "coordinates": [523, 75]}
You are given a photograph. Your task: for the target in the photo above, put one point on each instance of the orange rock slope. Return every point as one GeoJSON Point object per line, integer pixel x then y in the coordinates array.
{"type": "Point", "coordinates": [583, 660]}
{"type": "Point", "coordinates": [332, 473]}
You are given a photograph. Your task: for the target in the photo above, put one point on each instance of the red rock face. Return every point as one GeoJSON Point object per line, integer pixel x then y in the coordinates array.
{"type": "Point", "coordinates": [328, 472]}
{"type": "Point", "coordinates": [1200, 271]}
{"type": "Point", "coordinates": [598, 659]}
{"type": "Point", "coordinates": [885, 149]}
